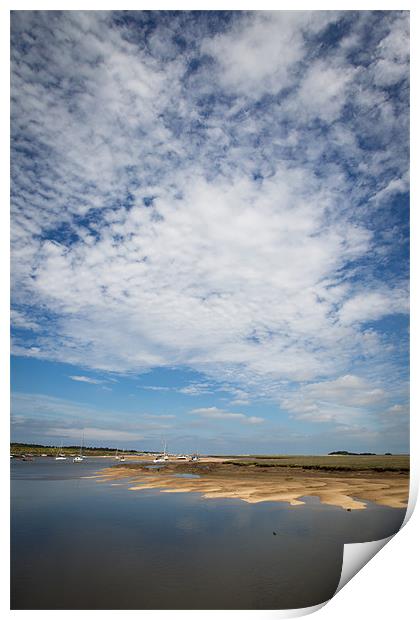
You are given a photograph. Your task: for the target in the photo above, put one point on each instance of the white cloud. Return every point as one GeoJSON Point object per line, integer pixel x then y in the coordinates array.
{"type": "Point", "coordinates": [323, 91]}
{"type": "Point", "coordinates": [216, 301]}
{"type": "Point", "coordinates": [44, 416]}
{"type": "Point", "coordinates": [196, 389]}
{"type": "Point", "coordinates": [392, 63]}
{"type": "Point", "coordinates": [259, 54]}
{"type": "Point", "coordinates": [83, 379]}
{"type": "Point", "coordinates": [21, 321]}
{"type": "Point", "coordinates": [350, 389]}
{"type": "Point", "coordinates": [343, 400]}
{"type": "Point", "coordinates": [398, 411]}
{"type": "Point", "coordinates": [214, 413]}
{"type": "Point", "coordinates": [248, 54]}
{"type": "Point", "coordinates": [373, 305]}
{"type": "Point", "coordinates": [95, 434]}
{"type": "Point", "coordinates": [197, 218]}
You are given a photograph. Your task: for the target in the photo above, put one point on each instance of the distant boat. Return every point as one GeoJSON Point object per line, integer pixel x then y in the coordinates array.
{"type": "Point", "coordinates": [80, 457]}
{"type": "Point", "coordinates": [59, 456]}
{"type": "Point", "coordinates": [118, 457]}
{"type": "Point", "coordinates": [162, 458]}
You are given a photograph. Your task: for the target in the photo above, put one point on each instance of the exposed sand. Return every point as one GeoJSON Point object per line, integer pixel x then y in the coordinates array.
{"type": "Point", "coordinates": [346, 490]}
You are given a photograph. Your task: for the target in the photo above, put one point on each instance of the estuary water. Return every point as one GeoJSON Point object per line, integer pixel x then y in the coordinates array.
{"type": "Point", "coordinates": [77, 543]}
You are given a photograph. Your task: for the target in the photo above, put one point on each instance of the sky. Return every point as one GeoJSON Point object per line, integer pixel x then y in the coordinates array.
{"type": "Point", "coordinates": [210, 230]}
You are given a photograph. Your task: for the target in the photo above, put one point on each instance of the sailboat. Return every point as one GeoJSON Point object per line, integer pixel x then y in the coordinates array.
{"type": "Point", "coordinates": [122, 457]}
{"type": "Point", "coordinates": [80, 457]}
{"type": "Point", "coordinates": [162, 458]}
{"type": "Point", "coordinates": [60, 456]}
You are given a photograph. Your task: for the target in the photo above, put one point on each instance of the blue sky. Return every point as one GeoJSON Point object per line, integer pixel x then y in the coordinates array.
{"type": "Point", "coordinates": [210, 230]}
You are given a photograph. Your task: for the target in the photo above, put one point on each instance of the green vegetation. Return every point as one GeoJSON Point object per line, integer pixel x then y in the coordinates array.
{"type": "Point", "coordinates": [29, 449]}
{"type": "Point", "coordinates": [344, 452]}
{"type": "Point", "coordinates": [350, 462]}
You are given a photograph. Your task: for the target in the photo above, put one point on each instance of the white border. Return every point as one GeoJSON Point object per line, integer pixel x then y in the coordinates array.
{"type": "Point", "coordinates": [386, 587]}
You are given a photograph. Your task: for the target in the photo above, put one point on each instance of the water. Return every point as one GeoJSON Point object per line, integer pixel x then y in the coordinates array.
{"type": "Point", "coordinates": [80, 544]}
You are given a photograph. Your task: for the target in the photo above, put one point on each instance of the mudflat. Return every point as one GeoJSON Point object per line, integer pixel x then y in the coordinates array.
{"type": "Point", "coordinates": [343, 485]}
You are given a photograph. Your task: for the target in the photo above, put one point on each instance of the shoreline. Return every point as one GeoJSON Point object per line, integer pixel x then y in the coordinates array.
{"type": "Point", "coordinates": [218, 479]}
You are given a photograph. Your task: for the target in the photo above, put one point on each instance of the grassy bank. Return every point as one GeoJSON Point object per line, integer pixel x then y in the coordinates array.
{"type": "Point", "coordinates": [379, 463]}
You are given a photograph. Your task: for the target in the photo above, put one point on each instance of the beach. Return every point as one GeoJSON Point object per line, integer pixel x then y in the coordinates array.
{"type": "Point", "coordinates": [266, 482]}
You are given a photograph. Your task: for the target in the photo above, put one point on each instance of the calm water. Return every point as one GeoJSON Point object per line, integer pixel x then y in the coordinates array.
{"type": "Point", "coordinates": [80, 544]}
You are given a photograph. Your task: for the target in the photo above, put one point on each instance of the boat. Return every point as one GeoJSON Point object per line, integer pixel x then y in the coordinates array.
{"type": "Point", "coordinates": [79, 458]}
{"type": "Point", "coordinates": [59, 456]}
{"type": "Point", "coordinates": [162, 458]}
{"type": "Point", "coordinates": [118, 457]}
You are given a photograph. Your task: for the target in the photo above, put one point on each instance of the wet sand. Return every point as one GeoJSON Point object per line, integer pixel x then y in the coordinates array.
{"type": "Point", "coordinates": [217, 479]}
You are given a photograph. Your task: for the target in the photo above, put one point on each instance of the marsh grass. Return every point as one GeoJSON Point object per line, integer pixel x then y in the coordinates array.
{"type": "Point", "coordinates": [377, 463]}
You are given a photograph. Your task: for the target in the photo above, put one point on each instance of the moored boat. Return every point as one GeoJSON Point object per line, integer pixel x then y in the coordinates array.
{"type": "Point", "coordinates": [60, 456]}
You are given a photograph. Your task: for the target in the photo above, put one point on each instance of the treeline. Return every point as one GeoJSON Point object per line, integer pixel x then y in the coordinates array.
{"type": "Point", "coordinates": [345, 452]}
{"type": "Point", "coordinates": [36, 448]}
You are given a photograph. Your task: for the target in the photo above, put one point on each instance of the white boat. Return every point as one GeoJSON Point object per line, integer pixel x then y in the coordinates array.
{"type": "Point", "coordinates": [162, 458]}
{"type": "Point", "coordinates": [80, 457]}
{"type": "Point", "coordinates": [59, 456]}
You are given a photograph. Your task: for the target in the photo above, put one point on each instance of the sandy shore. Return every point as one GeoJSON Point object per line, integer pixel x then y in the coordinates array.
{"type": "Point", "coordinates": [347, 490]}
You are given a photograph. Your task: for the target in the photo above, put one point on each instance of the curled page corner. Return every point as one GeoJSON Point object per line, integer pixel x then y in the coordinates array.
{"type": "Point", "coordinates": [412, 499]}
{"type": "Point", "coordinates": [294, 613]}
{"type": "Point", "coordinates": [356, 556]}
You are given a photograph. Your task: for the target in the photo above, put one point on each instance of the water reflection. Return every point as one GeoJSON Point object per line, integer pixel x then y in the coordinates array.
{"type": "Point", "coordinates": [186, 475]}
{"type": "Point", "coordinates": [81, 544]}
